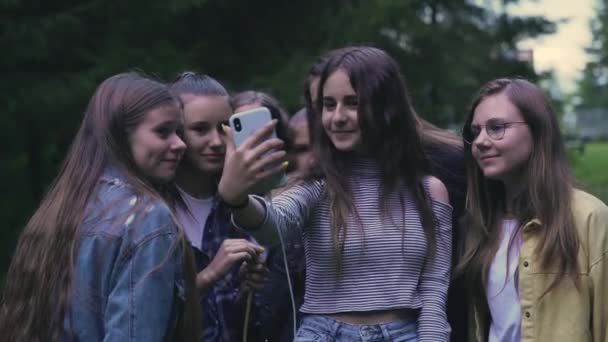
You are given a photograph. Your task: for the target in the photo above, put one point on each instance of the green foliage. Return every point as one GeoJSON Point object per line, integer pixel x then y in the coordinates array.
{"type": "Point", "coordinates": [590, 169]}
{"type": "Point", "coordinates": [55, 52]}
{"type": "Point", "coordinates": [593, 86]}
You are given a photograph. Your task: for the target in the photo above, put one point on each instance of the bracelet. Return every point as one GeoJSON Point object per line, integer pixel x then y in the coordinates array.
{"type": "Point", "coordinates": [237, 206]}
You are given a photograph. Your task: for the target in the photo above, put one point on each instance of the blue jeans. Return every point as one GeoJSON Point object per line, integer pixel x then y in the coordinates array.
{"type": "Point", "coordinates": [317, 328]}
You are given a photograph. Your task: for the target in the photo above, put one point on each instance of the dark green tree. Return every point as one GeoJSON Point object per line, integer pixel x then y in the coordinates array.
{"type": "Point", "coordinates": [593, 85]}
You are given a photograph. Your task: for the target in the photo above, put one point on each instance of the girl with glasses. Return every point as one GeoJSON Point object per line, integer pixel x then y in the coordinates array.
{"type": "Point", "coordinates": [535, 247]}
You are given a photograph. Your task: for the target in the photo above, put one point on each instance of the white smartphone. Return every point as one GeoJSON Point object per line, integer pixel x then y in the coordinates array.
{"type": "Point", "coordinates": [243, 125]}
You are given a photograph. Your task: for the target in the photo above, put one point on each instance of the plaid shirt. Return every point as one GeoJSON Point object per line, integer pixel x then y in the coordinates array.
{"type": "Point", "coordinates": [222, 315]}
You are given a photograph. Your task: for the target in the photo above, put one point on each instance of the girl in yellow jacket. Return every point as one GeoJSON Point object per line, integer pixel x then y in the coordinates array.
{"type": "Point", "coordinates": [535, 247]}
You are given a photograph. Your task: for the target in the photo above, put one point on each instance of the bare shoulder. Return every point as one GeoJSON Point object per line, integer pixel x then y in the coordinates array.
{"type": "Point", "coordinates": [437, 189]}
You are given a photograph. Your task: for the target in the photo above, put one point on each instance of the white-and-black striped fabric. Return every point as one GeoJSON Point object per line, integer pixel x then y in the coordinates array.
{"type": "Point", "coordinates": [384, 263]}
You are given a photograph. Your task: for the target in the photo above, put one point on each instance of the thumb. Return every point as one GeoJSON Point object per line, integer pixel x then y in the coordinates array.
{"type": "Point", "coordinates": [228, 139]}
{"type": "Point", "coordinates": [243, 269]}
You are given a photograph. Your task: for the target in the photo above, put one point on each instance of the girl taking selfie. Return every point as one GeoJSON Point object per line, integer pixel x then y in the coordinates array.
{"type": "Point", "coordinates": [376, 227]}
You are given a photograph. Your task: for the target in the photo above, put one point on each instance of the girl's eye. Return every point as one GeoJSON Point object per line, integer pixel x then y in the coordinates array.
{"type": "Point", "coordinates": [495, 127]}
{"type": "Point", "coordinates": [351, 101]}
{"type": "Point", "coordinates": [201, 128]}
{"type": "Point", "coordinates": [164, 132]}
{"type": "Point", "coordinates": [329, 104]}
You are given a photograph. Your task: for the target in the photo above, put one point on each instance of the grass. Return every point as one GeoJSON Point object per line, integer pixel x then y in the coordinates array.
{"type": "Point", "coordinates": [591, 169]}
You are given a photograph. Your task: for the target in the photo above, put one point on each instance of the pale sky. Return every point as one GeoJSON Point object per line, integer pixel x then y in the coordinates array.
{"type": "Point", "coordinates": [563, 51]}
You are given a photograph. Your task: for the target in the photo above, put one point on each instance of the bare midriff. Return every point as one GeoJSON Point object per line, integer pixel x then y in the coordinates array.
{"type": "Point", "coordinates": [375, 317]}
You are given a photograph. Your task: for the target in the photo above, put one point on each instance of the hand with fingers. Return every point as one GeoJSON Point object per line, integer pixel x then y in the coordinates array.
{"type": "Point", "coordinates": [254, 160]}
{"type": "Point", "coordinates": [253, 275]}
{"type": "Point", "coordinates": [231, 252]}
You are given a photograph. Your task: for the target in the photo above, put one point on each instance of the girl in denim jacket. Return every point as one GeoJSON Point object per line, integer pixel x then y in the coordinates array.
{"type": "Point", "coordinates": [102, 257]}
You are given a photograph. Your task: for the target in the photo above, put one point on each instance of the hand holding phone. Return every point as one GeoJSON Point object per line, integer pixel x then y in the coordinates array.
{"type": "Point", "coordinates": [254, 159]}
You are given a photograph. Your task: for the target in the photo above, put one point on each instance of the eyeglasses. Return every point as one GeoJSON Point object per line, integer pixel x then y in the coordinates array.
{"type": "Point", "coordinates": [495, 129]}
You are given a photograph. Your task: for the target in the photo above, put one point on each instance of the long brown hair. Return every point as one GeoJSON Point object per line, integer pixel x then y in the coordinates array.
{"type": "Point", "coordinates": [37, 295]}
{"type": "Point", "coordinates": [388, 127]}
{"type": "Point", "coordinates": [435, 136]}
{"type": "Point", "coordinates": [547, 196]}
{"type": "Point", "coordinates": [432, 137]}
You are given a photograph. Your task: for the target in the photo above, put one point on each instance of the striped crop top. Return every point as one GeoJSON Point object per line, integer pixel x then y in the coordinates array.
{"type": "Point", "coordinates": [384, 262]}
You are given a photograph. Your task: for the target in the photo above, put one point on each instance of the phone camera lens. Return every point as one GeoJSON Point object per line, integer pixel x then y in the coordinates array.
{"type": "Point", "coordinates": [237, 125]}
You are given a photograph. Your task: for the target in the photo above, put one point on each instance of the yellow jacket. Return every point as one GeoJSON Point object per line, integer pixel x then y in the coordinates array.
{"type": "Point", "coordinates": [565, 313]}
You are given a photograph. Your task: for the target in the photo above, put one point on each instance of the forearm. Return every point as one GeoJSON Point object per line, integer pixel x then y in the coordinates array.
{"type": "Point", "coordinates": [287, 211]}
{"type": "Point", "coordinates": [434, 281]}
{"type": "Point", "coordinates": [432, 322]}
{"type": "Point", "coordinates": [205, 280]}
{"type": "Point", "coordinates": [251, 216]}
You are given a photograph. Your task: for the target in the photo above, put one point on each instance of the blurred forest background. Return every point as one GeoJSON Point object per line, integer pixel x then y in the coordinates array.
{"type": "Point", "coordinates": [56, 52]}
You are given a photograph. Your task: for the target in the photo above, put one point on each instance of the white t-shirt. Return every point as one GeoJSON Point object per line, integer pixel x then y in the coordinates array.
{"type": "Point", "coordinates": [194, 216]}
{"type": "Point", "coordinates": [502, 297]}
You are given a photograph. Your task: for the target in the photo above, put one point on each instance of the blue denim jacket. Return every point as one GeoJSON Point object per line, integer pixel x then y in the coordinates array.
{"type": "Point", "coordinates": [128, 277]}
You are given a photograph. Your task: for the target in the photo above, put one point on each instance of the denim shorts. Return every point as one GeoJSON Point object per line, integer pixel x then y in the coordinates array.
{"type": "Point", "coordinates": [317, 328]}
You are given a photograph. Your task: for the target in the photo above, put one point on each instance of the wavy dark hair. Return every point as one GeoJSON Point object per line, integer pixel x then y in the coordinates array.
{"type": "Point", "coordinates": [389, 132]}
{"type": "Point", "coordinates": [547, 194]}
{"type": "Point", "coordinates": [36, 298]}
